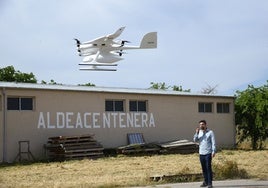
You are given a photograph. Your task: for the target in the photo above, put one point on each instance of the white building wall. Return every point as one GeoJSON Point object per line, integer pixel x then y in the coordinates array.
{"type": "Point", "coordinates": [169, 117]}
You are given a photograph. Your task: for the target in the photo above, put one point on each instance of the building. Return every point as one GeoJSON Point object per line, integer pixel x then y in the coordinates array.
{"type": "Point", "coordinates": [36, 112]}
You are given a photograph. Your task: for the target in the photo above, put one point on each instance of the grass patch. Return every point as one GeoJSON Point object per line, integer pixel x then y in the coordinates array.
{"type": "Point", "coordinates": [246, 144]}
{"type": "Point", "coordinates": [228, 170]}
{"type": "Point", "coordinates": [125, 171]}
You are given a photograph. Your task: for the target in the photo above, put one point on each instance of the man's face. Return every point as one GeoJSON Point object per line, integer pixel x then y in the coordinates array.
{"type": "Point", "coordinates": [202, 125]}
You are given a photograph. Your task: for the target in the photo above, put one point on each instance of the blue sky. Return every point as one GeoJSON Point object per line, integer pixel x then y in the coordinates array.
{"type": "Point", "coordinates": [200, 43]}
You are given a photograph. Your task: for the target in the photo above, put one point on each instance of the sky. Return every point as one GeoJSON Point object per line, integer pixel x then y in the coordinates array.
{"type": "Point", "coordinates": [221, 43]}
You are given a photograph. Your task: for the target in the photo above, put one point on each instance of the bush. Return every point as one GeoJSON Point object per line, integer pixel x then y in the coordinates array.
{"type": "Point", "coordinates": [228, 170]}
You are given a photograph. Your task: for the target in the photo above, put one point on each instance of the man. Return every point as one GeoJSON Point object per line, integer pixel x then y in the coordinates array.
{"type": "Point", "coordinates": [207, 150]}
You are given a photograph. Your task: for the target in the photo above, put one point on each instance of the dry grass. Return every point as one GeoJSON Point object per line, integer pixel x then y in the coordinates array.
{"type": "Point", "coordinates": [123, 171]}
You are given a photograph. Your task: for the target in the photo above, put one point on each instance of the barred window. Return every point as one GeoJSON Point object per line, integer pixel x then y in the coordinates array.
{"type": "Point", "coordinates": [114, 105]}
{"type": "Point", "coordinates": [223, 107]}
{"type": "Point", "coordinates": [19, 103]}
{"type": "Point", "coordinates": [205, 107]}
{"type": "Point", "coordinates": [138, 106]}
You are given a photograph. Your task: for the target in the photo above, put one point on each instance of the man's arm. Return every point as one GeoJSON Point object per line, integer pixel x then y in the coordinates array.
{"type": "Point", "coordinates": [213, 144]}
{"type": "Point", "coordinates": [196, 135]}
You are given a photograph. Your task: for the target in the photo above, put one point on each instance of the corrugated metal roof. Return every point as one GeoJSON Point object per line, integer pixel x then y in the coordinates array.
{"type": "Point", "coordinates": [100, 89]}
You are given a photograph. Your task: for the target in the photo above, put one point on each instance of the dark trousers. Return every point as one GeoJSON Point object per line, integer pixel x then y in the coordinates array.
{"type": "Point", "coordinates": [205, 161]}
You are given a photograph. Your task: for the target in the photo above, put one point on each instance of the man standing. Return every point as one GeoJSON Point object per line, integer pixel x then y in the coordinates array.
{"type": "Point", "coordinates": [207, 150]}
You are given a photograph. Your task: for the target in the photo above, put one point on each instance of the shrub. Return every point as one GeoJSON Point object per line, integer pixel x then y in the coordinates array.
{"type": "Point", "coordinates": [228, 170]}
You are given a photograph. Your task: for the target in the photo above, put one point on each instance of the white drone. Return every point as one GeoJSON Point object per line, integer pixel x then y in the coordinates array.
{"type": "Point", "coordinates": [104, 51]}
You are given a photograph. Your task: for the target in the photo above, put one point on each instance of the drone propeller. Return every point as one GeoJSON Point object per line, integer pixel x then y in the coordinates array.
{"type": "Point", "coordinates": [123, 42]}
{"type": "Point", "coordinates": [77, 42]}
{"type": "Point", "coordinates": [120, 52]}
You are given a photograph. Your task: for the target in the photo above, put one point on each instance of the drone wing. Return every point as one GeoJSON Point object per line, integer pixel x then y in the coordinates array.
{"type": "Point", "coordinates": [102, 41]}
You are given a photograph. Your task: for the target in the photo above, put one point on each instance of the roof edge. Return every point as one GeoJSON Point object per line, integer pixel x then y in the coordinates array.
{"type": "Point", "coordinates": [63, 87]}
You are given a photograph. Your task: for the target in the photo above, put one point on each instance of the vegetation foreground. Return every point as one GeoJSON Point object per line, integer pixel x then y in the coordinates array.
{"type": "Point", "coordinates": [123, 171]}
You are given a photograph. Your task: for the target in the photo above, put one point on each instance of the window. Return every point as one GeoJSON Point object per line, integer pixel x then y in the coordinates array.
{"type": "Point", "coordinates": [20, 103]}
{"type": "Point", "coordinates": [205, 107]}
{"type": "Point", "coordinates": [137, 106]}
{"type": "Point", "coordinates": [223, 107]}
{"type": "Point", "coordinates": [114, 105]}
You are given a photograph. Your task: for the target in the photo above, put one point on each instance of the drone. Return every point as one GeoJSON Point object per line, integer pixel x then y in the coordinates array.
{"type": "Point", "coordinates": [103, 52]}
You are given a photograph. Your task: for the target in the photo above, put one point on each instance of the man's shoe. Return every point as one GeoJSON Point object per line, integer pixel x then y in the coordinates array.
{"type": "Point", "coordinates": [203, 184]}
{"type": "Point", "coordinates": [210, 186]}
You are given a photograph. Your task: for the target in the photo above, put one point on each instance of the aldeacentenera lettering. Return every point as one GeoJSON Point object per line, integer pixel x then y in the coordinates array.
{"type": "Point", "coordinates": [95, 120]}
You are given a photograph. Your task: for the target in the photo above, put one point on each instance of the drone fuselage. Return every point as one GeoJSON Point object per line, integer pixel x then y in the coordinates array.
{"type": "Point", "coordinates": [104, 50]}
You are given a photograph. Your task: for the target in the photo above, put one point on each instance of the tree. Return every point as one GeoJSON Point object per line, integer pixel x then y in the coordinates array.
{"type": "Point", "coordinates": [209, 89]}
{"type": "Point", "coordinates": [163, 86]}
{"type": "Point", "coordinates": [179, 88]}
{"type": "Point", "coordinates": [251, 114]}
{"type": "Point", "coordinates": [9, 74]}
{"type": "Point", "coordinates": [87, 84]}
{"type": "Point", "coordinates": [52, 82]}
{"type": "Point", "coordinates": [160, 85]}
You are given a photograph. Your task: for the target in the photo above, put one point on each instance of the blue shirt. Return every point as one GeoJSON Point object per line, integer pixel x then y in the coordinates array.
{"type": "Point", "coordinates": [206, 139]}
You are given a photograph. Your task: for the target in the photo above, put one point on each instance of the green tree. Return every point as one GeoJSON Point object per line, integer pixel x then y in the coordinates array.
{"type": "Point", "coordinates": [179, 88]}
{"type": "Point", "coordinates": [251, 114]}
{"type": "Point", "coordinates": [9, 74]}
{"type": "Point", "coordinates": [52, 82]}
{"type": "Point", "coordinates": [160, 85]}
{"type": "Point", "coordinates": [163, 86]}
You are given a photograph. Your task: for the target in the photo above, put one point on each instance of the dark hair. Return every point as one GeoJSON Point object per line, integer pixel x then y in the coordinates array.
{"type": "Point", "coordinates": [203, 121]}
